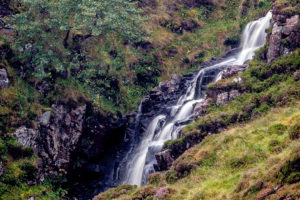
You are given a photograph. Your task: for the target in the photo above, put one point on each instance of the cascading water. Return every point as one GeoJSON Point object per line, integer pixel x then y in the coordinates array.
{"type": "Point", "coordinates": [138, 162]}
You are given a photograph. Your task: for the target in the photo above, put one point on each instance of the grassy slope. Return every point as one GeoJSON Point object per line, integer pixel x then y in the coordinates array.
{"type": "Point", "coordinates": [229, 165]}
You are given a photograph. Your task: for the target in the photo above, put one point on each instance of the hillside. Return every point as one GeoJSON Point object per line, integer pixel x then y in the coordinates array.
{"type": "Point", "coordinates": [73, 74]}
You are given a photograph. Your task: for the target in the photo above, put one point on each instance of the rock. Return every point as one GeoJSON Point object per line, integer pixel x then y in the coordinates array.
{"type": "Point", "coordinates": [297, 75]}
{"type": "Point", "coordinates": [169, 86]}
{"type": "Point", "coordinates": [60, 136]}
{"type": "Point", "coordinates": [225, 97]}
{"type": "Point", "coordinates": [4, 82]}
{"type": "Point", "coordinates": [43, 87]}
{"type": "Point", "coordinates": [4, 9]}
{"type": "Point", "coordinates": [233, 70]}
{"type": "Point", "coordinates": [285, 36]}
{"type": "Point", "coordinates": [190, 25]}
{"type": "Point", "coordinates": [162, 193]}
{"type": "Point", "coordinates": [27, 137]}
{"type": "Point", "coordinates": [222, 98]}
{"type": "Point", "coordinates": [201, 108]}
{"type": "Point", "coordinates": [172, 52]}
{"type": "Point", "coordinates": [275, 40]}
{"type": "Point", "coordinates": [45, 118]}
{"type": "Point", "coordinates": [164, 160]}
{"type": "Point", "coordinates": [233, 94]}
{"type": "Point", "coordinates": [237, 80]}
{"type": "Point", "coordinates": [55, 139]}
{"type": "Point", "coordinates": [264, 193]}
{"type": "Point", "coordinates": [291, 25]}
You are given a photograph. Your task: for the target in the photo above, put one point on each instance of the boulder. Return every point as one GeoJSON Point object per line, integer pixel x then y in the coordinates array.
{"type": "Point", "coordinates": [164, 160]}
{"type": "Point", "coordinates": [275, 40]}
{"type": "Point", "coordinates": [168, 87]}
{"type": "Point", "coordinates": [222, 98]}
{"type": "Point", "coordinates": [233, 70]}
{"type": "Point", "coordinates": [225, 97]}
{"type": "Point", "coordinates": [233, 94]}
{"type": "Point", "coordinates": [201, 108]}
{"type": "Point", "coordinates": [291, 24]}
{"type": "Point", "coordinates": [4, 81]}
{"type": "Point", "coordinates": [45, 118]}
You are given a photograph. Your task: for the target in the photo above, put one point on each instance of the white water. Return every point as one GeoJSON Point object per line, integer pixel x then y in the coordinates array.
{"type": "Point", "coordinates": [139, 164]}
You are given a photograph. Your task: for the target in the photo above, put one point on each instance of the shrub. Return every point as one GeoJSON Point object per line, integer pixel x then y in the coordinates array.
{"type": "Point", "coordinates": [294, 132]}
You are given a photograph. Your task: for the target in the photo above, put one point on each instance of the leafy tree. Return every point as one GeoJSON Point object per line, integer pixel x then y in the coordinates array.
{"type": "Point", "coordinates": [46, 30]}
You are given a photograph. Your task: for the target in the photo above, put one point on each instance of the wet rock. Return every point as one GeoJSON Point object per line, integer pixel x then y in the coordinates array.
{"type": "Point", "coordinates": [234, 70]}
{"type": "Point", "coordinates": [164, 160]}
{"type": "Point", "coordinates": [27, 137]}
{"type": "Point", "coordinates": [275, 40]}
{"type": "Point", "coordinates": [4, 81]}
{"type": "Point", "coordinates": [201, 108]}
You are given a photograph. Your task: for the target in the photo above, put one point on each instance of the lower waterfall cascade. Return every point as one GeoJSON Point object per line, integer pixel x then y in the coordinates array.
{"type": "Point", "coordinates": [137, 161]}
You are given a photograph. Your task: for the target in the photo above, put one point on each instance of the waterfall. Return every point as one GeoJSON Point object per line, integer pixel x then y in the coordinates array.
{"type": "Point", "coordinates": [138, 162]}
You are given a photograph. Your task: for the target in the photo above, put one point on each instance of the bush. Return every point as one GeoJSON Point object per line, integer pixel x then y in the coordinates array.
{"type": "Point", "coordinates": [294, 132]}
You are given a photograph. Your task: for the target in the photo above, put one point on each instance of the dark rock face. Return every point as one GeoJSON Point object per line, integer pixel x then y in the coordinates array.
{"type": "Point", "coordinates": [166, 93]}
{"type": "Point", "coordinates": [60, 134]}
{"type": "Point", "coordinates": [4, 81]}
{"type": "Point", "coordinates": [4, 8]}
{"type": "Point", "coordinates": [285, 36]}
{"type": "Point", "coordinates": [164, 160]}
{"type": "Point", "coordinates": [55, 139]}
